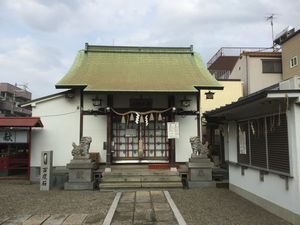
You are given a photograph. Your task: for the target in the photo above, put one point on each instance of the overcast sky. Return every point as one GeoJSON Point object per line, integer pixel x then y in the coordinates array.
{"type": "Point", "coordinates": [40, 38]}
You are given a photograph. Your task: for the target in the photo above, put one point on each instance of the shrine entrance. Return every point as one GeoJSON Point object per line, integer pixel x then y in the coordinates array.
{"type": "Point", "coordinates": [140, 141]}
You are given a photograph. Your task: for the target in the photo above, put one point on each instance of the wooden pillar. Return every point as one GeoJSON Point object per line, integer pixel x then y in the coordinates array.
{"type": "Point", "coordinates": [81, 115]}
{"type": "Point", "coordinates": [172, 157]}
{"type": "Point", "coordinates": [109, 132]}
{"type": "Point", "coordinates": [199, 128]}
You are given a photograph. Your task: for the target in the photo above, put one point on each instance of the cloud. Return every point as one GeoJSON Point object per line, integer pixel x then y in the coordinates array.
{"type": "Point", "coordinates": [41, 38]}
{"type": "Point", "coordinates": [22, 61]}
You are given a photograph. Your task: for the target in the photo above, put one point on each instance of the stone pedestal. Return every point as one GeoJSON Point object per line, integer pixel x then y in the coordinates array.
{"type": "Point", "coordinates": [199, 171]}
{"type": "Point", "coordinates": [80, 175]}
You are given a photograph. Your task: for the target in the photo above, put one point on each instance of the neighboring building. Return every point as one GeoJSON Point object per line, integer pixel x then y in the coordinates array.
{"type": "Point", "coordinates": [262, 147]}
{"type": "Point", "coordinates": [124, 98]}
{"type": "Point", "coordinates": [15, 145]}
{"type": "Point", "coordinates": [257, 68]}
{"type": "Point", "coordinates": [290, 54]}
{"type": "Point", "coordinates": [11, 97]}
{"type": "Point", "coordinates": [260, 134]}
{"type": "Point", "coordinates": [233, 90]}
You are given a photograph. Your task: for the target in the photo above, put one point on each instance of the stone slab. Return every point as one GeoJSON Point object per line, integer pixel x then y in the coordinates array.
{"type": "Point", "coordinates": [75, 219]}
{"type": "Point", "coordinates": [161, 206]}
{"type": "Point", "coordinates": [80, 165]}
{"type": "Point", "coordinates": [80, 175]}
{"type": "Point", "coordinates": [166, 216]}
{"type": "Point", "coordinates": [3, 219]}
{"type": "Point", "coordinates": [79, 186]}
{"type": "Point", "coordinates": [127, 197]}
{"type": "Point", "coordinates": [200, 174]}
{"type": "Point", "coordinates": [146, 215]}
{"type": "Point", "coordinates": [94, 219]}
{"type": "Point", "coordinates": [56, 219]}
{"type": "Point", "coordinates": [125, 207]}
{"type": "Point", "coordinates": [199, 159]}
{"type": "Point", "coordinates": [36, 219]}
{"type": "Point", "coordinates": [199, 165]}
{"type": "Point", "coordinates": [16, 220]}
{"type": "Point", "coordinates": [158, 196]}
{"type": "Point", "coordinates": [123, 216]}
{"type": "Point", "coordinates": [142, 196]}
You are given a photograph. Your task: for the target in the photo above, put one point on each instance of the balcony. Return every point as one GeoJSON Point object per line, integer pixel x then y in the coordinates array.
{"type": "Point", "coordinates": [223, 62]}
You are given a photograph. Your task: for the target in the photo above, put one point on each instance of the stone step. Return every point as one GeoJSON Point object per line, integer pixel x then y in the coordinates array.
{"type": "Point", "coordinates": [137, 185]}
{"type": "Point", "coordinates": [140, 178]}
{"type": "Point", "coordinates": [141, 172]}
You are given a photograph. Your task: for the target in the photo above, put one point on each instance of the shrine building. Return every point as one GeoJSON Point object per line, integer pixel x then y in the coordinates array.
{"type": "Point", "coordinates": [138, 104]}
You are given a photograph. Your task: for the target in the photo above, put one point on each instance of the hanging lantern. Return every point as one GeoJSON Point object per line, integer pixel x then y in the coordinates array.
{"type": "Point", "coordinates": [209, 95]}
{"type": "Point", "coordinates": [159, 118]}
{"type": "Point", "coordinates": [151, 117]}
{"type": "Point", "coordinates": [123, 119]}
{"type": "Point", "coordinates": [131, 118]}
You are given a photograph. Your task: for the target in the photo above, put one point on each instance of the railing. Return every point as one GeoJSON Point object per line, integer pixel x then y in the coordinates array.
{"type": "Point", "coordinates": [220, 74]}
{"type": "Point", "coordinates": [236, 51]}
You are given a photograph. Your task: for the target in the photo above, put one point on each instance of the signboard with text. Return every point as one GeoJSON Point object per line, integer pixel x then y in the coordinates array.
{"type": "Point", "coordinates": [13, 136]}
{"type": "Point", "coordinates": [173, 130]}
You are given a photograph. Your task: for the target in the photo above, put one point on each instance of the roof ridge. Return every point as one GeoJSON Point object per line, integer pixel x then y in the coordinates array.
{"type": "Point", "coordinates": [137, 49]}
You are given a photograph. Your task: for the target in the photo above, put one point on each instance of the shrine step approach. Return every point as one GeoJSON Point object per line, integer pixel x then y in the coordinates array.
{"type": "Point", "coordinates": [139, 177]}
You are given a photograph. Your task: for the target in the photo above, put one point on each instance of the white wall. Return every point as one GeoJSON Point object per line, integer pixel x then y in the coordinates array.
{"type": "Point", "coordinates": [187, 129]}
{"type": "Point", "coordinates": [60, 117]}
{"type": "Point", "coordinates": [95, 127]}
{"type": "Point", "coordinates": [273, 187]}
{"type": "Point", "coordinates": [259, 80]}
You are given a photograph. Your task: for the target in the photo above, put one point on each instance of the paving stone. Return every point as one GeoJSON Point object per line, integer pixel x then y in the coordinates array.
{"type": "Point", "coordinates": [36, 219]}
{"type": "Point", "coordinates": [94, 219]}
{"type": "Point", "coordinates": [165, 216]}
{"type": "Point", "coordinates": [167, 223]}
{"type": "Point", "coordinates": [75, 219]}
{"type": "Point", "coordinates": [123, 216]}
{"type": "Point", "coordinates": [146, 215]}
{"type": "Point", "coordinates": [158, 196]}
{"type": "Point", "coordinates": [143, 206]}
{"type": "Point", "coordinates": [16, 220]}
{"type": "Point", "coordinates": [129, 222]}
{"type": "Point", "coordinates": [125, 207]}
{"type": "Point", "coordinates": [161, 206]}
{"type": "Point", "coordinates": [56, 219]}
{"type": "Point", "coordinates": [127, 197]}
{"type": "Point", "coordinates": [142, 196]}
{"type": "Point", "coordinates": [3, 219]}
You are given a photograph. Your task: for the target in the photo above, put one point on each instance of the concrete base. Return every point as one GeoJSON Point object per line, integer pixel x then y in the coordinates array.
{"type": "Point", "coordinates": [271, 207]}
{"type": "Point", "coordinates": [174, 169]}
{"type": "Point", "coordinates": [201, 184]}
{"type": "Point", "coordinates": [80, 175]}
{"type": "Point", "coordinates": [199, 169]}
{"type": "Point", "coordinates": [71, 186]}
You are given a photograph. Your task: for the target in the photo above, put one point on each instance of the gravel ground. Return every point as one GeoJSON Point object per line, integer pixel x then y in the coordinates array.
{"type": "Point", "coordinates": [209, 206]}
{"type": "Point", "coordinates": [220, 206]}
{"type": "Point", "coordinates": [17, 197]}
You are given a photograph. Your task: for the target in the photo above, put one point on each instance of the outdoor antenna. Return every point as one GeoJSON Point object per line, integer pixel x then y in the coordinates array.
{"type": "Point", "coordinates": [271, 18]}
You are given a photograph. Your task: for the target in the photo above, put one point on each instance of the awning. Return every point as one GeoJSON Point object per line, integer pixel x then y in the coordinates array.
{"type": "Point", "coordinates": [20, 122]}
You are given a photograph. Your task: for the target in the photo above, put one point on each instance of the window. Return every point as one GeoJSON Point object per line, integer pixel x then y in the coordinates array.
{"type": "Point", "coordinates": [263, 143]}
{"type": "Point", "coordinates": [271, 66]}
{"type": "Point", "coordinates": [293, 61]}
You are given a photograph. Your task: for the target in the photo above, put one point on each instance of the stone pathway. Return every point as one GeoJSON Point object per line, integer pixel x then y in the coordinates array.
{"type": "Point", "coordinates": [128, 208]}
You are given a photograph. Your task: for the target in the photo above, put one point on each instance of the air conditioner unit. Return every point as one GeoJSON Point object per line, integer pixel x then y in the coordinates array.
{"type": "Point", "coordinates": [290, 84]}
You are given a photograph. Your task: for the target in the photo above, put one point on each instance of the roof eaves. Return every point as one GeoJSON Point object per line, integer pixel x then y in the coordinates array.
{"type": "Point", "coordinates": [44, 98]}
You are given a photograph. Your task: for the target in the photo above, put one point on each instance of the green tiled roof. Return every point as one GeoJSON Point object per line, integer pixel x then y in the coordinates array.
{"type": "Point", "coordinates": [142, 69]}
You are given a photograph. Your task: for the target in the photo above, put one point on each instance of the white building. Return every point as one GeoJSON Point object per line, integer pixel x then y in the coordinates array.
{"type": "Point", "coordinates": [124, 98]}
{"type": "Point", "coordinates": [262, 147]}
